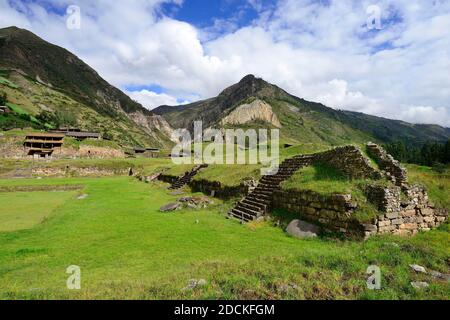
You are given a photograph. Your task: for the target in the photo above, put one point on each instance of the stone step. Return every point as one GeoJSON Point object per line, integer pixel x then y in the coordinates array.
{"type": "Point", "coordinates": [242, 215]}
{"type": "Point", "coordinates": [256, 203]}
{"type": "Point", "coordinates": [266, 187]}
{"type": "Point", "coordinates": [261, 196]}
{"type": "Point", "coordinates": [263, 199]}
{"type": "Point", "coordinates": [261, 191]}
{"type": "Point", "coordinates": [251, 212]}
{"type": "Point", "coordinates": [249, 206]}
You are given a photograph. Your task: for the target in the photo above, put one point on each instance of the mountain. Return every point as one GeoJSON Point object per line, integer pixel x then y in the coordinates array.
{"type": "Point", "coordinates": [254, 102]}
{"type": "Point", "coordinates": [38, 76]}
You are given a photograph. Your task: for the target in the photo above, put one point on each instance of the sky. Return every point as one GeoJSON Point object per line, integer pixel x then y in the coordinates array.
{"type": "Point", "coordinates": [389, 58]}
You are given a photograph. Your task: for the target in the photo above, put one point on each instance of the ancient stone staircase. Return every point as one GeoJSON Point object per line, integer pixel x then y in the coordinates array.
{"type": "Point", "coordinates": [259, 202]}
{"type": "Point", "coordinates": [184, 180]}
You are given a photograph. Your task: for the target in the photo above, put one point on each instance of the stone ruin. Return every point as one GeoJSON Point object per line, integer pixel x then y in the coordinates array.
{"type": "Point", "coordinates": [390, 167]}
{"type": "Point", "coordinates": [404, 209]}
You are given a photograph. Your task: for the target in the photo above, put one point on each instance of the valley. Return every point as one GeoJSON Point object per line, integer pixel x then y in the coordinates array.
{"type": "Point", "coordinates": [92, 179]}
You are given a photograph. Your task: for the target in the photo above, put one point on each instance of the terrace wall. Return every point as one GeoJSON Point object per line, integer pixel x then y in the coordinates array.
{"type": "Point", "coordinates": [334, 213]}
{"type": "Point", "coordinates": [398, 214]}
{"type": "Point", "coordinates": [350, 161]}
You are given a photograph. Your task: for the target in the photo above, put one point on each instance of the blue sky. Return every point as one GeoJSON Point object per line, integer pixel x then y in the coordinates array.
{"type": "Point", "coordinates": [175, 51]}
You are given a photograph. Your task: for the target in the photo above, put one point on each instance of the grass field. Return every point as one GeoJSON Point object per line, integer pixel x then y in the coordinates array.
{"type": "Point", "coordinates": [23, 210]}
{"type": "Point", "coordinates": [127, 249]}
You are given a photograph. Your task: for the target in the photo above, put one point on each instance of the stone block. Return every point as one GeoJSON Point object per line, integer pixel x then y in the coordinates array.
{"type": "Point", "coordinates": [384, 223]}
{"type": "Point", "coordinates": [409, 226]}
{"type": "Point", "coordinates": [408, 213]}
{"type": "Point", "coordinates": [427, 212]}
{"type": "Point", "coordinates": [370, 227]}
{"type": "Point", "coordinates": [397, 221]}
{"type": "Point", "coordinates": [392, 215]}
{"type": "Point", "coordinates": [386, 229]}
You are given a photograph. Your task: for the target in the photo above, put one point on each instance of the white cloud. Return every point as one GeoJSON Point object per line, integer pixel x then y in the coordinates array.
{"type": "Point", "coordinates": [320, 51]}
{"type": "Point", "coordinates": [151, 100]}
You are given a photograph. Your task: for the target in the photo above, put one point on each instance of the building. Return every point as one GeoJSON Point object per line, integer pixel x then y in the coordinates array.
{"type": "Point", "coordinates": [147, 152]}
{"type": "Point", "coordinates": [83, 135]}
{"type": "Point", "coordinates": [4, 109]}
{"type": "Point", "coordinates": [43, 145]}
{"type": "Point", "coordinates": [78, 134]}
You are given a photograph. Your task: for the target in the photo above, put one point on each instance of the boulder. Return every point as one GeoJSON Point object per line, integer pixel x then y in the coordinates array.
{"type": "Point", "coordinates": [194, 283]}
{"type": "Point", "coordinates": [419, 285]}
{"type": "Point", "coordinates": [417, 268]}
{"type": "Point", "coordinates": [302, 229]}
{"type": "Point", "coordinates": [170, 207]}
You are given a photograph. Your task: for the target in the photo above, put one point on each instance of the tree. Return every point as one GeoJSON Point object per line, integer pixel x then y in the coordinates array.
{"type": "Point", "coordinates": [3, 99]}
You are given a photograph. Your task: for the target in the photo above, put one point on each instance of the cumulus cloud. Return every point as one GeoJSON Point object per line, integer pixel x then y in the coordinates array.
{"type": "Point", "coordinates": [151, 100]}
{"type": "Point", "coordinates": [318, 50]}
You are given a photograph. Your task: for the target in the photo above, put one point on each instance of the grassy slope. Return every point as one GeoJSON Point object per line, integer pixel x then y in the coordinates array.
{"type": "Point", "coordinates": [127, 249]}
{"type": "Point", "coordinates": [31, 97]}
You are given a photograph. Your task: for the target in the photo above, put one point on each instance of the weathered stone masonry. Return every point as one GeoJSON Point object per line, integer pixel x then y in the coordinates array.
{"type": "Point", "coordinates": [348, 160]}
{"type": "Point", "coordinates": [389, 166]}
{"type": "Point", "coordinates": [334, 213]}
{"type": "Point", "coordinates": [403, 209]}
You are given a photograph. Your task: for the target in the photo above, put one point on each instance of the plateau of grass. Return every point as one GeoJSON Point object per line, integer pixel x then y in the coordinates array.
{"type": "Point", "coordinates": [230, 175]}
{"type": "Point", "coordinates": [322, 179]}
{"type": "Point", "coordinates": [23, 210]}
{"type": "Point", "coordinates": [127, 249]}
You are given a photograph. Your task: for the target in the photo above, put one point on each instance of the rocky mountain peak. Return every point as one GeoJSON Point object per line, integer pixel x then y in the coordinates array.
{"type": "Point", "coordinates": [250, 86]}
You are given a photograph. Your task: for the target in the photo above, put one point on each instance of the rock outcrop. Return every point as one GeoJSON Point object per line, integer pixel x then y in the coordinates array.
{"type": "Point", "coordinates": [257, 110]}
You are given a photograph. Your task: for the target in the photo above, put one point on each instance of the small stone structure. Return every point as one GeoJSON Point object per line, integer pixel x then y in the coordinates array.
{"type": "Point", "coordinates": [391, 167]}
{"type": "Point", "coordinates": [403, 209]}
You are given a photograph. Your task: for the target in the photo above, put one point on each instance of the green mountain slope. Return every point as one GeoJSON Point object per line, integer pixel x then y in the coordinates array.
{"type": "Point", "coordinates": [39, 76]}
{"type": "Point", "coordinates": [301, 121]}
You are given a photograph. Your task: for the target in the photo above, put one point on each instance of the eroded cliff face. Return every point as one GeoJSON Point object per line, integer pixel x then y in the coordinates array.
{"type": "Point", "coordinates": [152, 124]}
{"type": "Point", "coordinates": [256, 110]}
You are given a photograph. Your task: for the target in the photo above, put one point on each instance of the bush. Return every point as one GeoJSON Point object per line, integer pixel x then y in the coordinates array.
{"type": "Point", "coordinates": [3, 99]}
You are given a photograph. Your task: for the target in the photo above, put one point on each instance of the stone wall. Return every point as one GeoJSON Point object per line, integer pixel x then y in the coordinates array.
{"type": "Point", "coordinates": [334, 213]}
{"type": "Point", "coordinates": [391, 167]}
{"type": "Point", "coordinates": [217, 189]}
{"type": "Point", "coordinates": [208, 187]}
{"type": "Point", "coordinates": [349, 160]}
{"type": "Point", "coordinates": [12, 148]}
{"type": "Point", "coordinates": [77, 172]}
{"type": "Point", "coordinates": [404, 210]}
{"type": "Point", "coordinates": [401, 212]}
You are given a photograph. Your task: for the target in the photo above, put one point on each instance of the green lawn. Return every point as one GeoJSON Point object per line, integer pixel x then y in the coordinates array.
{"type": "Point", "coordinates": [23, 210]}
{"type": "Point", "coordinates": [127, 249]}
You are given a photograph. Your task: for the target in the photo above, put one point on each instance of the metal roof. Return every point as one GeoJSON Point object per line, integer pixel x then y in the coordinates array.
{"type": "Point", "coordinates": [45, 135]}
